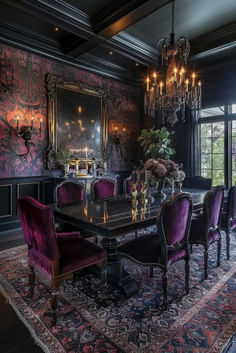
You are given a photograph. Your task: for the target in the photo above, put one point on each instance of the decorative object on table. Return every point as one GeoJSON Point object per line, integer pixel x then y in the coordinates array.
{"type": "Point", "coordinates": [63, 158]}
{"type": "Point", "coordinates": [171, 89]}
{"type": "Point", "coordinates": [156, 143]}
{"type": "Point", "coordinates": [156, 175]}
{"type": "Point", "coordinates": [174, 174]}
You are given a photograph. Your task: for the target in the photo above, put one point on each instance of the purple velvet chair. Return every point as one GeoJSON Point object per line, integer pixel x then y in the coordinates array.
{"type": "Point", "coordinates": [169, 245]}
{"type": "Point", "coordinates": [228, 218]}
{"type": "Point", "coordinates": [56, 255]}
{"type": "Point", "coordinates": [205, 228]}
{"type": "Point", "coordinates": [103, 189]}
{"type": "Point", "coordinates": [69, 192]}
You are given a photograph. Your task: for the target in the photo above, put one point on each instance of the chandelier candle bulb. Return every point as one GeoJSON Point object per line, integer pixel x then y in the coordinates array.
{"type": "Point", "coordinates": [175, 74]}
{"type": "Point", "coordinates": [193, 79]}
{"type": "Point", "coordinates": [161, 87]}
{"type": "Point", "coordinates": [148, 82]}
{"type": "Point", "coordinates": [186, 85]}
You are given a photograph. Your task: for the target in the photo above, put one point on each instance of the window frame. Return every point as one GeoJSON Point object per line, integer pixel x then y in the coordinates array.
{"type": "Point", "coordinates": [227, 119]}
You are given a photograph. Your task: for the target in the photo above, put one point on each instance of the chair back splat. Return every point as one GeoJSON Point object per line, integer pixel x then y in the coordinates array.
{"type": "Point", "coordinates": [228, 218]}
{"type": "Point", "coordinates": [103, 188]}
{"type": "Point", "coordinates": [197, 182]}
{"type": "Point", "coordinates": [69, 192]}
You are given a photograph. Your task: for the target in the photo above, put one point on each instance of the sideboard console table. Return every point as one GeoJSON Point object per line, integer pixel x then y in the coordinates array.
{"type": "Point", "coordinates": [39, 187]}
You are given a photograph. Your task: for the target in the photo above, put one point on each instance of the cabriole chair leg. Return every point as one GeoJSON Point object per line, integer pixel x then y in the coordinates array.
{"type": "Point", "coordinates": [218, 252]}
{"type": "Point", "coordinates": [54, 304]}
{"type": "Point", "coordinates": [187, 276]}
{"type": "Point", "coordinates": [165, 285]}
{"type": "Point", "coordinates": [227, 244]}
{"type": "Point", "coordinates": [205, 262]}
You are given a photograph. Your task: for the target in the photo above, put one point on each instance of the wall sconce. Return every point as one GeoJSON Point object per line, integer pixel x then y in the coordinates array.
{"type": "Point", "coordinates": [27, 133]}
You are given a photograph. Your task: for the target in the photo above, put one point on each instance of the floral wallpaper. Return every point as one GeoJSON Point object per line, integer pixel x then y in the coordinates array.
{"type": "Point", "coordinates": [23, 94]}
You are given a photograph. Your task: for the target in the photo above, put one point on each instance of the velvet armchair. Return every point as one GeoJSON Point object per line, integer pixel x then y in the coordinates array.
{"type": "Point", "coordinates": [205, 228]}
{"type": "Point", "coordinates": [103, 189]}
{"type": "Point", "coordinates": [228, 218]}
{"type": "Point", "coordinates": [56, 256]}
{"type": "Point", "coordinates": [169, 245]}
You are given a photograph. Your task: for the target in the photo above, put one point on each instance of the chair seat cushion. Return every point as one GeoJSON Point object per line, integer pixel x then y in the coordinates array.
{"type": "Point", "coordinates": [197, 232]}
{"type": "Point", "coordinates": [232, 223]}
{"type": "Point", "coordinates": [78, 253]}
{"type": "Point", "coordinates": [147, 250]}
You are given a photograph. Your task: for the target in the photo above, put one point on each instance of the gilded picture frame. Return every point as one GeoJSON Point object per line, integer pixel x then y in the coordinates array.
{"type": "Point", "coordinates": [77, 118]}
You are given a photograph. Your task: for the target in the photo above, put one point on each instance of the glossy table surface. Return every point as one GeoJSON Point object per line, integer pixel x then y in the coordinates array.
{"type": "Point", "coordinates": [119, 215]}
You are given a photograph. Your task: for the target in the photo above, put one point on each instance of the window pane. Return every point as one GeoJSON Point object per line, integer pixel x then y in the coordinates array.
{"type": "Point", "coordinates": [218, 129]}
{"type": "Point", "coordinates": [233, 108]}
{"type": "Point", "coordinates": [218, 145]}
{"type": "Point", "coordinates": [204, 113]}
{"type": "Point", "coordinates": [206, 173]}
{"type": "Point", "coordinates": [218, 161]}
{"type": "Point", "coordinates": [218, 177]}
{"type": "Point", "coordinates": [212, 151]}
{"type": "Point", "coordinates": [206, 145]}
{"type": "Point", "coordinates": [206, 130]}
{"type": "Point", "coordinates": [206, 161]}
{"type": "Point", "coordinates": [234, 128]}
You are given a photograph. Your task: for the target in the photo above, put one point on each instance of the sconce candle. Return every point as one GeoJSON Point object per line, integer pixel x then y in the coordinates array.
{"type": "Point", "coordinates": [17, 123]}
{"type": "Point", "coordinates": [32, 121]}
{"type": "Point", "coordinates": [40, 126]}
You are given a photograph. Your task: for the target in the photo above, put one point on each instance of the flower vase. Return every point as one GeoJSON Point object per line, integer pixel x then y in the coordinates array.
{"type": "Point", "coordinates": [160, 193]}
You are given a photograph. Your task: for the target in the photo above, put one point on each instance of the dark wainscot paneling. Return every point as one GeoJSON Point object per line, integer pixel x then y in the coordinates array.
{"type": "Point", "coordinates": [40, 188]}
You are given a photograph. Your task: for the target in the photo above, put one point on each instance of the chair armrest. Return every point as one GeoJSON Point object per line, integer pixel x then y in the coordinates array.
{"type": "Point", "coordinates": [68, 236]}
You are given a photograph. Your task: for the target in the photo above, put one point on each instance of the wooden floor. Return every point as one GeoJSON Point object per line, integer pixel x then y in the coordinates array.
{"type": "Point", "coordinates": [14, 336]}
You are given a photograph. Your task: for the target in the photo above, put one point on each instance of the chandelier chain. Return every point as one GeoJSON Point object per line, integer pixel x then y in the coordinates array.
{"type": "Point", "coordinates": [173, 17]}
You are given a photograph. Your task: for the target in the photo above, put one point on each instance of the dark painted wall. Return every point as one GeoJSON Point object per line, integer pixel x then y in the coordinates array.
{"type": "Point", "coordinates": [23, 93]}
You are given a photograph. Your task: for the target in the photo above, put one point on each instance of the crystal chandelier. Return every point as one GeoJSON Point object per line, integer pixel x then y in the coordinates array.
{"type": "Point", "coordinates": [172, 89]}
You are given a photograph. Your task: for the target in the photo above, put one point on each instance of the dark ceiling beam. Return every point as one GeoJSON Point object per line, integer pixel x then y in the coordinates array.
{"type": "Point", "coordinates": [58, 13]}
{"type": "Point", "coordinates": [121, 14]}
{"type": "Point", "coordinates": [114, 19]}
{"type": "Point", "coordinates": [216, 41]}
{"type": "Point", "coordinates": [25, 39]}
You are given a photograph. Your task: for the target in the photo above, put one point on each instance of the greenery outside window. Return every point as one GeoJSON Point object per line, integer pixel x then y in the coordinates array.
{"type": "Point", "coordinates": [218, 144]}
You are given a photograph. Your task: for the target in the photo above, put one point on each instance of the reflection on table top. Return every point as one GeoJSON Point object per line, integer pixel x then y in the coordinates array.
{"type": "Point", "coordinates": [119, 213]}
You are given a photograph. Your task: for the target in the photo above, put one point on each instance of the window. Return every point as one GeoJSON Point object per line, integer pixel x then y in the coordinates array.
{"type": "Point", "coordinates": [212, 152]}
{"type": "Point", "coordinates": [218, 144]}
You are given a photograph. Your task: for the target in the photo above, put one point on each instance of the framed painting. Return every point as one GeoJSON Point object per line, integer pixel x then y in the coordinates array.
{"type": "Point", "coordinates": [77, 118]}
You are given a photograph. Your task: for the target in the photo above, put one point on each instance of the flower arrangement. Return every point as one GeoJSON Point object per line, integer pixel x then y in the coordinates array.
{"type": "Point", "coordinates": [159, 169]}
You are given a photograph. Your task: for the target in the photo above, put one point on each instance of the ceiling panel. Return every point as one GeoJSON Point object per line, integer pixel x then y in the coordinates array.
{"type": "Point", "coordinates": [90, 7]}
{"type": "Point", "coordinates": [192, 18]}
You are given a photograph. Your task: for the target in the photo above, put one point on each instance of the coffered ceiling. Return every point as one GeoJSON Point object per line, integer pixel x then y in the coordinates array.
{"type": "Point", "coordinates": [118, 38]}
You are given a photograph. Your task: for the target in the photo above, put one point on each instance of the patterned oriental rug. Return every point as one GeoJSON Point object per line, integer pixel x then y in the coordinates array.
{"type": "Point", "coordinates": [93, 321]}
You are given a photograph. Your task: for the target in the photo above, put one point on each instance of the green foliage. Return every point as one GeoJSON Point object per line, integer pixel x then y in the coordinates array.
{"type": "Point", "coordinates": [63, 156]}
{"type": "Point", "coordinates": [212, 152]}
{"type": "Point", "coordinates": [156, 143]}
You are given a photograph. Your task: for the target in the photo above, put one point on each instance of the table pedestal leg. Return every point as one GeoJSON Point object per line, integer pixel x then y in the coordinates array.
{"type": "Point", "coordinates": [116, 275]}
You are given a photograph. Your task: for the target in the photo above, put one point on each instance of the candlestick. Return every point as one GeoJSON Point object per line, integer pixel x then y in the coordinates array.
{"type": "Point", "coordinates": [17, 122]}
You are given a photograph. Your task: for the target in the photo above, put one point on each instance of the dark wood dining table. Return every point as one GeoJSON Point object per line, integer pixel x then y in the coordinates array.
{"type": "Point", "coordinates": [114, 217]}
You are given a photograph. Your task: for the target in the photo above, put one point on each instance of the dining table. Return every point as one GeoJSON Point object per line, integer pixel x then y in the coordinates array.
{"type": "Point", "coordinates": [116, 217]}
